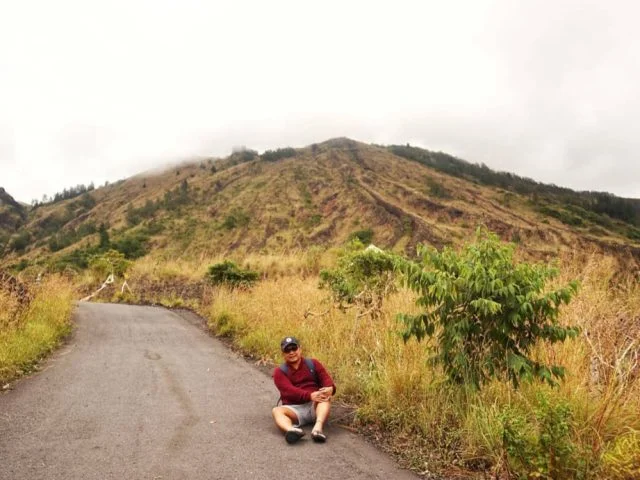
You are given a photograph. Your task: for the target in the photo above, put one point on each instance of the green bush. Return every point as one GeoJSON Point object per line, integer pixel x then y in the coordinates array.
{"type": "Point", "coordinates": [274, 155]}
{"type": "Point", "coordinates": [437, 189]}
{"type": "Point", "coordinates": [75, 260]}
{"type": "Point", "coordinates": [110, 262]}
{"type": "Point", "coordinates": [542, 445]}
{"type": "Point", "coordinates": [248, 155]}
{"type": "Point", "coordinates": [565, 217]}
{"type": "Point", "coordinates": [313, 221]}
{"type": "Point", "coordinates": [87, 228]}
{"type": "Point", "coordinates": [486, 311]}
{"type": "Point", "coordinates": [363, 236]}
{"type": "Point", "coordinates": [132, 246]}
{"type": "Point", "coordinates": [237, 218]}
{"type": "Point", "coordinates": [362, 279]}
{"type": "Point", "coordinates": [20, 242]}
{"type": "Point", "coordinates": [229, 274]}
{"type": "Point", "coordinates": [152, 227]}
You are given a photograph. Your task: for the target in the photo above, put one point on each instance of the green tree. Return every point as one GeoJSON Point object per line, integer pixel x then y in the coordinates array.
{"type": "Point", "coordinates": [363, 278]}
{"type": "Point", "coordinates": [486, 311]}
{"type": "Point", "coordinates": [20, 242]}
{"type": "Point", "coordinates": [110, 262]}
{"type": "Point", "coordinates": [104, 237]}
{"type": "Point", "coordinates": [274, 155]}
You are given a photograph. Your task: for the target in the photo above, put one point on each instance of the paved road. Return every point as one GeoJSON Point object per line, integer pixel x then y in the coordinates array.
{"type": "Point", "coordinates": [142, 393]}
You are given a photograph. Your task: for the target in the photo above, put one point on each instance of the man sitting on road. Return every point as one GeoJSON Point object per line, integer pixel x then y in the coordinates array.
{"type": "Point", "coordinates": [305, 389]}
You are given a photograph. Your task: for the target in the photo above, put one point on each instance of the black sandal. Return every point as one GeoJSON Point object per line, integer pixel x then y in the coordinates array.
{"type": "Point", "coordinates": [293, 435]}
{"type": "Point", "coordinates": [318, 437]}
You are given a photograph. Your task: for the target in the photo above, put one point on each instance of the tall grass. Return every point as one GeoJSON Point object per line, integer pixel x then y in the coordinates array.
{"type": "Point", "coordinates": [36, 330]}
{"type": "Point", "coordinates": [301, 263]}
{"type": "Point", "coordinates": [587, 427]}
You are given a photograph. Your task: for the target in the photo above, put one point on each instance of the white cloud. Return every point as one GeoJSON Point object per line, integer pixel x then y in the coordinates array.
{"type": "Point", "coordinates": [92, 90]}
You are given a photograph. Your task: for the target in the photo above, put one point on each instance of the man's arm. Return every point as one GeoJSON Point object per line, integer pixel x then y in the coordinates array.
{"type": "Point", "coordinates": [323, 377]}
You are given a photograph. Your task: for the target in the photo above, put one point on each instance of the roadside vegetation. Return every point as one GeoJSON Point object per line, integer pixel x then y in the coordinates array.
{"type": "Point", "coordinates": [32, 324]}
{"type": "Point", "coordinates": [563, 404]}
{"type": "Point", "coordinates": [471, 359]}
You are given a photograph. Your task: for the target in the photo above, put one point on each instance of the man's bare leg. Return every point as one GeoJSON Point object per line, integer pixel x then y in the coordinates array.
{"type": "Point", "coordinates": [284, 418]}
{"type": "Point", "coordinates": [322, 414]}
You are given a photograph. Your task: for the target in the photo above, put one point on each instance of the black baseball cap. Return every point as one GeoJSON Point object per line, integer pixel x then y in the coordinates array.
{"type": "Point", "coordinates": [286, 341]}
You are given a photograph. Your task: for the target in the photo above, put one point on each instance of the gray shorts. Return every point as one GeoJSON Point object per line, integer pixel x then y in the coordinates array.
{"type": "Point", "coordinates": [305, 412]}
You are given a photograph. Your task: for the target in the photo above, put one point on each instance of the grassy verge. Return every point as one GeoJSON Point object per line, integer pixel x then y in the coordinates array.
{"type": "Point", "coordinates": [586, 428]}
{"type": "Point", "coordinates": [36, 330]}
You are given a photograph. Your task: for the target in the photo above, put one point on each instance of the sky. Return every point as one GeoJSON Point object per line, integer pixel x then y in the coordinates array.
{"type": "Point", "coordinates": [95, 91]}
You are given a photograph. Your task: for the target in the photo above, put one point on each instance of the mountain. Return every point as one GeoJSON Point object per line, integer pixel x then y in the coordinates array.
{"type": "Point", "coordinates": [12, 217]}
{"type": "Point", "coordinates": [320, 196]}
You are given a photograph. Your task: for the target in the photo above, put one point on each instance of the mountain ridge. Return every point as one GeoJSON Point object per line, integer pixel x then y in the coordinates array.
{"type": "Point", "coordinates": [320, 195]}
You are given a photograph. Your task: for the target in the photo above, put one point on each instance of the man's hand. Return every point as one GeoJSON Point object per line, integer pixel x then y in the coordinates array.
{"type": "Point", "coordinates": [322, 395]}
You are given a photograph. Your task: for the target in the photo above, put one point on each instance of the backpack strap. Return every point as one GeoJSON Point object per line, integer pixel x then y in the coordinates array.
{"type": "Point", "coordinates": [312, 368]}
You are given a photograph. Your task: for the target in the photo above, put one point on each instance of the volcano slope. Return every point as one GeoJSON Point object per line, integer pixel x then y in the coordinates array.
{"type": "Point", "coordinates": [319, 196]}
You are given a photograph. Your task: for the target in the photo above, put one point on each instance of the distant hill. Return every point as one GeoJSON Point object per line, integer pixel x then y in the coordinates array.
{"type": "Point", "coordinates": [12, 216]}
{"type": "Point", "coordinates": [594, 206]}
{"type": "Point", "coordinates": [320, 196]}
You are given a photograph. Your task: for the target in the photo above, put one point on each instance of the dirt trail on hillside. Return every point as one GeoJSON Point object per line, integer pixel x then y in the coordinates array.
{"type": "Point", "coordinates": [142, 393]}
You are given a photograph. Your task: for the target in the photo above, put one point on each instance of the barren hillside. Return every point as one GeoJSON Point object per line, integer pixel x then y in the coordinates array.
{"type": "Point", "coordinates": [320, 195]}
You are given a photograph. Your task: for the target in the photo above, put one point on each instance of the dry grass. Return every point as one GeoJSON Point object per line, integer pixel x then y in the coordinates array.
{"type": "Point", "coordinates": [157, 268]}
{"type": "Point", "coordinates": [430, 422]}
{"type": "Point", "coordinates": [38, 330]}
{"type": "Point", "coordinates": [302, 263]}
{"type": "Point", "coordinates": [9, 310]}
{"type": "Point", "coordinates": [427, 422]}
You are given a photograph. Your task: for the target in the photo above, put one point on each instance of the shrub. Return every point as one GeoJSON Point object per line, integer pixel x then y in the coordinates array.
{"type": "Point", "coordinates": [313, 221]}
{"type": "Point", "coordinates": [437, 189]}
{"type": "Point", "coordinates": [248, 155]}
{"type": "Point", "coordinates": [132, 246]}
{"type": "Point", "coordinates": [274, 155]}
{"type": "Point", "coordinates": [75, 260]}
{"type": "Point", "coordinates": [111, 262]}
{"type": "Point", "coordinates": [363, 279]}
{"type": "Point", "coordinates": [487, 311]}
{"type": "Point", "coordinates": [21, 265]}
{"type": "Point", "coordinates": [229, 274]}
{"type": "Point", "coordinates": [237, 218]}
{"type": "Point", "coordinates": [152, 228]}
{"type": "Point", "coordinates": [363, 236]}
{"type": "Point", "coordinates": [541, 445]}
{"type": "Point", "coordinates": [87, 228]}
{"type": "Point", "coordinates": [20, 242]}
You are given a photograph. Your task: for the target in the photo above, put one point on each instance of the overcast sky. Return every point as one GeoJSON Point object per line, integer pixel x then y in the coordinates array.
{"type": "Point", "coordinates": [101, 90]}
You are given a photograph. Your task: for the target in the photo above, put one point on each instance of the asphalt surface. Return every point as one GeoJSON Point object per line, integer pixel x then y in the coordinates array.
{"type": "Point", "coordinates": [143, 393]}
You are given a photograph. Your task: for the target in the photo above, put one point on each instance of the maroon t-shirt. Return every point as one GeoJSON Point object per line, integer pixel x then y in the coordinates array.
{"type": "Point", "coordinates": [297, 387]}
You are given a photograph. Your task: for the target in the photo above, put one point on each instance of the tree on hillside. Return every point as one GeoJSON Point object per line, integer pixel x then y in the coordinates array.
{"type": "Point", "coordinates": [104, 237]}
{"type": "Point", "coordinates": [110, 262]}
{"type": "Point", "coordinates": [280, 153]}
